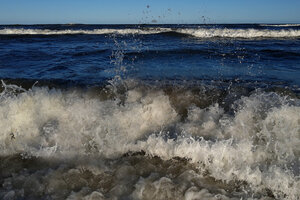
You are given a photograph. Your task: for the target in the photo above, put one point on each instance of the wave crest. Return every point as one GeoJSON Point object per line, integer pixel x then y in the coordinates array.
{"type": "Point", "coordinates": [195, 32]}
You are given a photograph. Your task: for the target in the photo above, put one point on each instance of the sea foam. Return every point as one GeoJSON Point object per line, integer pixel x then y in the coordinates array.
{"type": "Point", "coordinates": [257, 146]}
{"type": "Point", "coordinates": [195, 32]}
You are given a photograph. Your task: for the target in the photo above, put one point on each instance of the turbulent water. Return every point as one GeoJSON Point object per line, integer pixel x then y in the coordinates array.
{"type": "Point", "coordinates": [150, 112]}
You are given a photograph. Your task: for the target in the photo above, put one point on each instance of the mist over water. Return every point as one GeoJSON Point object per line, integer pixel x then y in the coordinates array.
{"type": "Point", "coordinates": [150, 112]}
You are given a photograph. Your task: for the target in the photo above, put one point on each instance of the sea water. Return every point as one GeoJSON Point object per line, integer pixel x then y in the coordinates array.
{"type": "Point", "coordinates": [150, 111]}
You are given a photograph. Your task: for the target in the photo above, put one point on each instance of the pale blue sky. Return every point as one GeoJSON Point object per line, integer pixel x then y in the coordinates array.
{"type": "Point", "coordinates": [143, 11]}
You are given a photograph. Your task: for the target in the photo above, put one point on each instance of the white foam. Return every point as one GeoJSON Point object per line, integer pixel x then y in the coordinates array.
{"type": "Point", "coordinates": [195, 32]}
{"type": "Point", "coordinates": [42, 120]}
{"type": "Point", "coordinates": [22, 31]}
{"type": "Point", "coordinates": [259, 144]}
{"type": "Point", "coordinates": [281, 25]}
{"type": "Point", "coordinates": [240, 33]}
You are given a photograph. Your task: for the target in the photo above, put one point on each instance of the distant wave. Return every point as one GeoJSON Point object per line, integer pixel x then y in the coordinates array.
{"type": "Point", "coordinates": [240, 33]}
{"type": "Point", "coordinates": [195, 32]}
{"type": "Point", "coordinates": [22, 31]}
{"type": "Point", "coordinates": [281, 25]}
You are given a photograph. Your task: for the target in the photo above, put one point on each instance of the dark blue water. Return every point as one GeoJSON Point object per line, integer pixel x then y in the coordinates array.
{"type": "Point", "coordinates": [268, 54]}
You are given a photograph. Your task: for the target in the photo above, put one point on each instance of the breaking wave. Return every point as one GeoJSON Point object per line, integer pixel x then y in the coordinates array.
{"type": "Point", "coordinates": [148, 143]}
{"type": "Point", "coordinates": [280, 25]}
{"type": "Point", "coordinates": [195, 32]}
{"type": "Point", "coordinates": [15, 31]}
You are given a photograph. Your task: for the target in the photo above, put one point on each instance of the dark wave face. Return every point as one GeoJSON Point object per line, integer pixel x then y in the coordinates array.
{"type": "Point", "coordinates": [150, 111]}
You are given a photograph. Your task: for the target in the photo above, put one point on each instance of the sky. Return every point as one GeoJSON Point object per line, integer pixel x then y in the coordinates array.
{"type": "Point", "coordinates": [146, 11]}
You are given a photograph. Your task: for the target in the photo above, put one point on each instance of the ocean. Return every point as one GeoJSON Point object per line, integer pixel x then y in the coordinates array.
{"type": "Point", "coordinates": [190, 111]}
